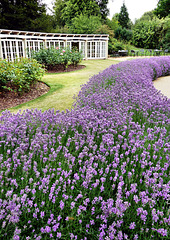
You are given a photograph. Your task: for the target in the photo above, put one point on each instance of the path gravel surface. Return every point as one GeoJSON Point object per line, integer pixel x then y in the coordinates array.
{"type": "Point", "coordinates": [163, 84]}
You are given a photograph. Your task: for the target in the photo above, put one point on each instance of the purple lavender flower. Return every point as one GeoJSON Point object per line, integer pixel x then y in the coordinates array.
{"type": "Point", "coordinates": [103, 161]}
{"type": "Point", "coordinates": [132, 225]}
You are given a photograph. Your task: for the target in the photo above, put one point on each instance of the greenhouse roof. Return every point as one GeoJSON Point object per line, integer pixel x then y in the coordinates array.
{"type": "Point", "coordinates": [27, 34]}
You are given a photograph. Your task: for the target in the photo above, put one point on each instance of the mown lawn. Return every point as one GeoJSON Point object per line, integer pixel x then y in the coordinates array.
{"type": "Point", "coordinates": [63, 86]}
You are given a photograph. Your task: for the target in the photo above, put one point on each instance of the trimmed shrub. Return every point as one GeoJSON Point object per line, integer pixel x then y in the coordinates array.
{"type": "Point", "coordinates": [54, 57]}
{"type": "Point", "coordinates": [19, 76]}
{"type": "Point", "coordinates": [75, 57]}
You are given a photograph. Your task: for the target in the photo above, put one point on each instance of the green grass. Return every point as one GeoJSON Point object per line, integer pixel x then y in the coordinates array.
{"type": "Point", "coordinates": [63, 86]}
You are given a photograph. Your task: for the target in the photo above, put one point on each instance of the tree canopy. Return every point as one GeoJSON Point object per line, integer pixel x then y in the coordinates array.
{"type": "Point", "coordinates": [74, 8]}
{"type": "Point", "coordinates": [59, 5]}
{"type": "Point", "coordinates": [147, 16]}
{"type": "Point", "coordinates": [151, 34]}
{"type": "Point", "coordinates": [84, 24]}
{"type": "Point", "coordinates": [21, 14]}
{"type": "Point", "coordinates": [66, 10]}
{"type": "Point", "coordinates": [104, 11]}
{"type": "Point", "coordinates": [163, 8]}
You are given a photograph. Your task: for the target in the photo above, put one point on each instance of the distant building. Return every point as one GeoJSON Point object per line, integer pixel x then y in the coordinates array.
{"type": "Point", "coordinates": [14, 43]}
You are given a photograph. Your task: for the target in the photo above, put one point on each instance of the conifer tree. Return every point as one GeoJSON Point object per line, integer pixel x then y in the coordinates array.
{"type": "Point", "coordinates": [59, 5]}
{"type": "Point", "coordinates": [123, 17]}
{"type": "Point", "coordinates": [103, 8]}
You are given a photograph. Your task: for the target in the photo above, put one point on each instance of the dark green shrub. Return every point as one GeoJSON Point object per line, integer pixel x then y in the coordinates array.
{"type": "Point", "coordinates": [49, 57]}
{"type": "Point", "coordinates": [123, 34]}
{"type": "Point", "coordinates": [53, 57]}
{"type": "Point", "coordinates": [30, 71]}
{"type": "Point", "coordinates": [6, 73]}
{"type": "Point", "coordinates": [110, 47]}
{"type": "Point", "coordinates": [21, 75]}
{"type": "Point", "coordinates": [118, 46]}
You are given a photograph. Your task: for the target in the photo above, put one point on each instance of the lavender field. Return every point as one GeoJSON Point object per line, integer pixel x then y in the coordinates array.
{"type": "Point", "coordinates": [99, 171]}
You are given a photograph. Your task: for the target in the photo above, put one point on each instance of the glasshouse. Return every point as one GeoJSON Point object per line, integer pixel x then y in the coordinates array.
{"type": "Point", "coordinates": [17, 44]}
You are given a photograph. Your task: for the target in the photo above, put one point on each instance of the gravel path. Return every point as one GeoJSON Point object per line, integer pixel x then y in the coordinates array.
{"type": "Point", "coordinates": [163, 84]}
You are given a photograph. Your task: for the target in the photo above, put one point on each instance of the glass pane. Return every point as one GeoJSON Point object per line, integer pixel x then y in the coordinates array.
{"type": "Point", "coordinates": [8, 50]}
{"type": "Point", "coordinates": [3, 49]}
{"type": "Point", "coordinates": [51, 44]}
{"type": "Point", "coordinates": [98, 50]}
{"type": "Point", "coordinates": [103, 49]}
{"type": "Point", "coordinates": [61, 44]}
{"type": "Point", "coordinates": [88, 49]}
{"type": "Point", "coordinates": [20, 48]}
{"type": "Point", "coordinates": [56, 44]}
{"type": "Point", "coordinates": [93, 50]}
{"type": "Point", "coordinates": [14, 50]}
{"type": "Point", "coordinates": [36, 46]}
{"type": "Point", "coordinates": [82, 46]}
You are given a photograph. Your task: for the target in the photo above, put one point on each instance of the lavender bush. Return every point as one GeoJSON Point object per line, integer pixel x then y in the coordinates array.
{"type": "Point", "coordinates": [99, 171]}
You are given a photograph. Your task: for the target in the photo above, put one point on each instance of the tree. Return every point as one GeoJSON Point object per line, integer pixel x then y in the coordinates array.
{"type": "Point", "coordinates": [164, 41]}
{"type": "Point", "coordinates": [45, 23]}
{"type": "Point", "coordinates": [124, 17]}
{"type": "Point", "coordinates": [59, 5]}
{"type": "Point", "coordinates": [113, 24]}
{"type": "Point", "coordinates": [74, 8]}
{"type": "Point", "coordinates": [84, 24]}
{"type": "Point", "coordinates": [147, 16]}
{"type": "Point", "coordinates": [21, 14]}
{"type": "Point", "coordinates": [163, 9]}
{"type": "Point", "coordinates": [148, 34]}
{"type": "Point", "coordinates": [105, 29]}
{"type": "Point", "coordinates": [103, 8]}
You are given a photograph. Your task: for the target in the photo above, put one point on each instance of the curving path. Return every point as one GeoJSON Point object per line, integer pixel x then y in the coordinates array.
{"type": "Point", "coordinates": [163, 84]}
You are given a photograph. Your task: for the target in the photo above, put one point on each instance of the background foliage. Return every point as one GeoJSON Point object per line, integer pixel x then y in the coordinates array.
{"type": "Point", "coordinates": [90, 17]}
{"type": "Point", "coordinates": [152, 34]}
{"type": "Point", "coordinates": [163, 8]}
{"type": "Point", "coordinates": [74, 8]}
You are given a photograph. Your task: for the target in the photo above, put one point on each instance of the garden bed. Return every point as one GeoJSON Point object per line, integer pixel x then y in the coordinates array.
{"type": "Point", "coordinates": [11, 99]}
{"type": "Point", "coordinates": [99, 171]}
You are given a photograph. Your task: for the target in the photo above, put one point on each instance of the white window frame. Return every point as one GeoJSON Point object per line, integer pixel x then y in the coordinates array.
{"type": "Point", "coordinates": [15, 44]}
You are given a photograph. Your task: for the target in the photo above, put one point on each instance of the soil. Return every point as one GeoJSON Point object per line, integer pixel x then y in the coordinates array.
{"type": "Point", "coordinates": [11, 99]}
{"type": "Point", "coordinates": [60, 68]}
